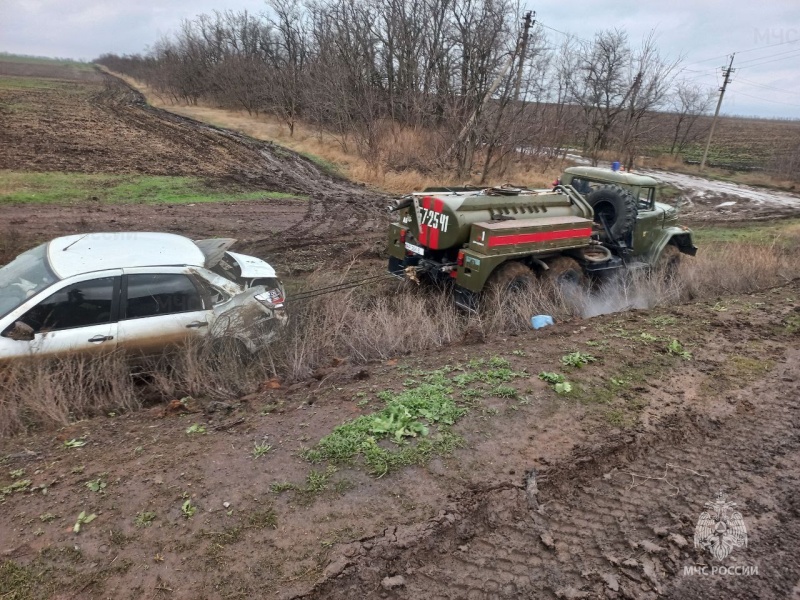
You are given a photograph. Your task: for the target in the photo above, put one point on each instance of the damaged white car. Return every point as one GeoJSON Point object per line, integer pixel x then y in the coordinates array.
{"type": "Point", "coordinates": [139, 292]}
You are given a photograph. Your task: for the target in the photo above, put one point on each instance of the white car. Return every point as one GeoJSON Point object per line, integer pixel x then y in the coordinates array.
{"type": "Point", "coordinates": [139, 292]}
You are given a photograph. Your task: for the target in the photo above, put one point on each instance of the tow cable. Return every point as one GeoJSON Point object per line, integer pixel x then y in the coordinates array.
{"type": "Point", "coordinates": [345, 285]}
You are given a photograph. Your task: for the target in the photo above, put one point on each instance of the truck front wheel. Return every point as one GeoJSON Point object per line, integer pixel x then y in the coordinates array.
{"type": "Point", "coordinates": [668, 263]}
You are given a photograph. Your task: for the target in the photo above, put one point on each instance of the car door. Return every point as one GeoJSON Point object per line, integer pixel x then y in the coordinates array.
{"type": "Point", "coordinates": [80, 317]}
{"type": "Point", "coordinates": [159, 308]}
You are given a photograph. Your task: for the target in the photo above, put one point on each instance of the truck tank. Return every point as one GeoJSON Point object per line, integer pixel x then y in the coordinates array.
{"type": "Point", "coordinates": [443, 219]}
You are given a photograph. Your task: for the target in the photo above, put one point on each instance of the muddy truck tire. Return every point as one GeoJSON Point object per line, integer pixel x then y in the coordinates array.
{"type": "Point", "coordinates": [669, 262]}
{"type": "Point", "coordinates": [618, 207]}
{"type": "Point", "coordinates": [510, 279]}
{"type": "Point", "coordinates": [565, 271]}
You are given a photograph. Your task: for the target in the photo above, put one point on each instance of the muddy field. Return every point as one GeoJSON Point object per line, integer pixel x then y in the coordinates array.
{"type": "Point", "coordinates": [531, 493]}
{"type": "Point", "coordinates": [97, 124]}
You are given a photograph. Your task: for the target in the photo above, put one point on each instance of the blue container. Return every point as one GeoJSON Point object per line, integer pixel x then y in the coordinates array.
{"type": "Point", "coordinates": [615, 165]}
{"type": "Point", "coordinates": [540, 321]}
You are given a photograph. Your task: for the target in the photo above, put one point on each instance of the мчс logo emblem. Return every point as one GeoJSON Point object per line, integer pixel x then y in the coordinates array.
{"type": "Point", "coordinates": [720, 528]}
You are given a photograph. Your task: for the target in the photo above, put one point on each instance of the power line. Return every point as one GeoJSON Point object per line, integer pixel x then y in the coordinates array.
{"type": "Point", "coordinates": [745, 51]}
{"type": "Point", "coordinates": [770, 46]}
{"type": "Point", "coordinates": [564, 33]}
{"type": "Point", "coordinates": [792, 51]}
{"type": "Point", "coordinates": [767, 100]}
{"type": "Point", "coordinates": [772, 61]}
{"type": "Point", "coordinates": [761, 85]}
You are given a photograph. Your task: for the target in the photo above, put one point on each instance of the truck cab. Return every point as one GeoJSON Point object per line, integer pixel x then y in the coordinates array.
{"type": "Point", "coordinates": [656, 223]}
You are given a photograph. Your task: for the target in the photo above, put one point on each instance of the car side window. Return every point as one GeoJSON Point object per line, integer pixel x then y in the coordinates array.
{"type": "Point", "coordinates": [78, 305]}
{"type": "Point", "coordinates": [151, 295]}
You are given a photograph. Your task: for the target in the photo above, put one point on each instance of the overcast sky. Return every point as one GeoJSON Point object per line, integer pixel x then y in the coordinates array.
{"type": "Point", "coordinates": [765, 35]}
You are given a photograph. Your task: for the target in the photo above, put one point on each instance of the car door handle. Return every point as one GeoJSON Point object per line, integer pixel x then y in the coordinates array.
{"type": "Point", "coordinates": [197, 325]}
{"type": "Point", "coordinates": [101, 338]}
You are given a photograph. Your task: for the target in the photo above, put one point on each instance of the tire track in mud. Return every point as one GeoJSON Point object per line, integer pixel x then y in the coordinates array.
{"type": "Point", "coordinates": [618, 522]}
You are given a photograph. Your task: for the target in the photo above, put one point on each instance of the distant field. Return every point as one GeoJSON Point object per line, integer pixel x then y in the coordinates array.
{"type": "Point", "coordinates": [34, 66]}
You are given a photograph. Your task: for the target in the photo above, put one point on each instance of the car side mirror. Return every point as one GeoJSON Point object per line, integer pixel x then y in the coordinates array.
{"type": "Point", "coordinates": [21, 332]}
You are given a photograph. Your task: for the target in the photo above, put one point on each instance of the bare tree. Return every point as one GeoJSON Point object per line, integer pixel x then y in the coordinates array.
{"type": "Point", "coordinates": [689, 102]}
{"type": "Point", "coordinates": [652, 79]}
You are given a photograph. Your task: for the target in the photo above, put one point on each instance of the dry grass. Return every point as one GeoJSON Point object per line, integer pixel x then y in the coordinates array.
{"type": "Point", "coordinates": [362, 324]}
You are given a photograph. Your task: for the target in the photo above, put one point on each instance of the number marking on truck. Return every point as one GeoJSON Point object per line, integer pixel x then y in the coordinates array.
{"type": "Point", "coordinates": [432, 221]}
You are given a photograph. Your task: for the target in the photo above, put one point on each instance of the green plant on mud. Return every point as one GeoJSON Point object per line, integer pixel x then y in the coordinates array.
{"type": "Point", "coordinates": [83, 519]}
{"type": "Point", "coordinates": [145, 519]}
{"type": "Point", "coordinates": [408, 415]}
{"type": "Point", "coordinates": [577, 359]}
{"type": "Point", "coordinates": [560, 385]}
{"type": "Point", "coordinates": [260, 450]}
{"type": "Point", "coordinates": [188, 509]}
{"type": "Point", "coordinates": [676, 348]}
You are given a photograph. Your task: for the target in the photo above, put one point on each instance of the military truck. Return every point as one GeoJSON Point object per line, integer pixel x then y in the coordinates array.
{"type": "Point", "coordinates": [593, 222]}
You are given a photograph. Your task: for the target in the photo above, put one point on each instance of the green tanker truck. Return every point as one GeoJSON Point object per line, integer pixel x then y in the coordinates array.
{"type": "Point", "coordinates": [592, 223]}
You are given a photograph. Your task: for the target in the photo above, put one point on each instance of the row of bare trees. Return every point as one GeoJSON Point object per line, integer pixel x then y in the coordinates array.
{"type": "Point", "coordinates": [458, 70]}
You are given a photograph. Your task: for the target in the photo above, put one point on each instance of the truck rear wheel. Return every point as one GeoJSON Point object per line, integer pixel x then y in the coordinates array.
{"type": "Point", "coordinates": [565, 271]}
{"type": "Point", "coordinates": [617, 206]}
{"type": "Point", "coordinates": [510, 279]}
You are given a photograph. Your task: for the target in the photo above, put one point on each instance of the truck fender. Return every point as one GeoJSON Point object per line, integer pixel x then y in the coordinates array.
{"type": "Point", "coordinates": [677, 236]}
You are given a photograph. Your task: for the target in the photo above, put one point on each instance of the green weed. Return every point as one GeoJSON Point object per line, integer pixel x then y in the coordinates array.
{"type": "Point", "coordinates": [145, 519]}
{"type": "Point", "coordinates": [260, 450]}
{"type": "Point", "coordinates": [83, 519]}
{"type": "Point", "coordinates": [188, 509]}
{"type": "Point", "coordinates": [676, 348]}
{"type": "Point", "coordinates": [577, 359]}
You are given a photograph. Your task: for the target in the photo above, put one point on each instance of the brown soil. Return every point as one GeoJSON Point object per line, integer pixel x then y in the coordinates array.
{"type": "Point", "coordinates": [587, 495]}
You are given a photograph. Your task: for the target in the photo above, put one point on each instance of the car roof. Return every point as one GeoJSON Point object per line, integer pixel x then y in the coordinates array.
{"type": "Point", "coordinates": [76, 254]}
{"type": "Point", "coordinates": [627, 178]}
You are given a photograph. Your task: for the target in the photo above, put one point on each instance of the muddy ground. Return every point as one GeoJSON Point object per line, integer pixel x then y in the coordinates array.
{"type": "Point", "coordinates": [586, 495]}
{"type": "Point", "coordinates": [590, 494]}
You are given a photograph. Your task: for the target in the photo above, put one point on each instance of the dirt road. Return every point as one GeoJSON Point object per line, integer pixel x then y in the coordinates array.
{"type": "Point", "coordinates": [705, 199]}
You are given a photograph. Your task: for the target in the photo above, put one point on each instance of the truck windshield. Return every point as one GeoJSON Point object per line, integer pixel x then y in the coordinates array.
{"type": "Point", "coordinates": [26, 275]}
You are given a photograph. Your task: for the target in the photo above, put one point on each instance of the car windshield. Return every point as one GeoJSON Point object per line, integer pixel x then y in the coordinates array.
{"type": "Point", "coordinates": [23, 277]}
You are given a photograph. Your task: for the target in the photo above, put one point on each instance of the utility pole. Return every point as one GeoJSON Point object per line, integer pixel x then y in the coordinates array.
{"type": "Point", "coordinates": [727, 79]}
{"type": "Point", "coordinates": [523, 47]}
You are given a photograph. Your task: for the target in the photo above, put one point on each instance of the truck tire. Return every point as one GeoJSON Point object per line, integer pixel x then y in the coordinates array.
{"type": "Point", "coordinates": [619, 208]}
{"type": "Point", "coordinates": [565, 271]}
{"type": "Point", "coordinates": [509, 278]}
{"type": "Point", "coordinates": [668, 262]}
